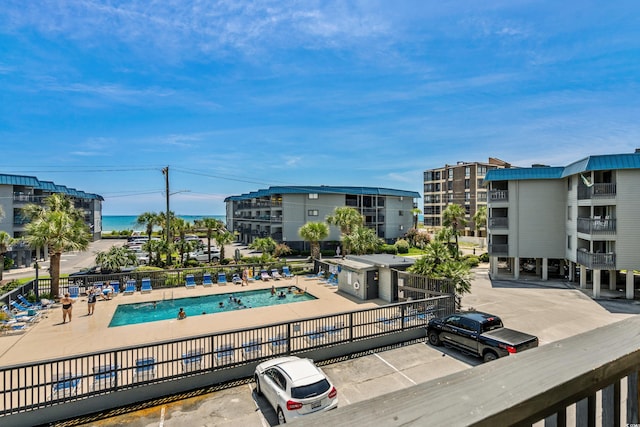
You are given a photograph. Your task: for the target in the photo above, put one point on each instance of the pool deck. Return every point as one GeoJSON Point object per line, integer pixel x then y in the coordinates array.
{"type": "Point", "coordinates": [50, 338]}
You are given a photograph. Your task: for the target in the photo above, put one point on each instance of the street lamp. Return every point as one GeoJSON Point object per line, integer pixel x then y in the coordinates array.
{"type": "Point", "coordinates": [35, 286]}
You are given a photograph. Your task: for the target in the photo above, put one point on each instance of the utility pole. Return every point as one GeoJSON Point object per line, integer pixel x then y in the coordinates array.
{"type": "Point", "coordinates": [165, 172]}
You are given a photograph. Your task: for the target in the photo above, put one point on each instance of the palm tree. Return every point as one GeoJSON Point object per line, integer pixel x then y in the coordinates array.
{"type": "Point", "coordinates": [149, 220]}
{"type": "Point", "coordinates": [60, 227]}
{"type": "Point", "coordinates": [314, 233]}
{"type": "Point", "coordinates": [5, 242]}
{"type": "Point", "coordinates": [212, 227]}
{"type": "Point", "coordinates": [115, 258]}
{"type": "Point", "coordinates": [460, 275]}
{"type": "Point", "coordinates": [436, 254]}
{"type": "Point", "coordinates": [223, 237]}
{"type": "Point", "coordinates": [415, 212]}
{"type": "Point", "coordinates": [179, 228]}
{"type": "Point", "coordinates": [347, 219]}
{"type": "Point", "coordinates": [453, 217]}
{"type": "Point", "coordinates": [480, 219]}
{"type": "Point", "coordinates": [362, 240]}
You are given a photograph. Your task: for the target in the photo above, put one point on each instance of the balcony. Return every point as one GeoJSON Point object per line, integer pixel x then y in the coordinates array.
{"type": "Point", "coordinates": [589, 379]}
{"type": "Point", "coordinates": [598, 261]}
{"type": "Point", "coordinates": [499, 222]}
{"type": "Point", "coordinates": [597, 191]}
{"type": "Point", "coordinates": [498, 249]}
{"type": "Point", "coordinates": [498, 195]}
{"type": "Point", "coordinates": [597, 225]}
{"type": "Point", "coordinates": [26, 198]}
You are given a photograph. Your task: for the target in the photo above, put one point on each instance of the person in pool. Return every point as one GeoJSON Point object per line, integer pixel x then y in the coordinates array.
{"type": "Point", "coordinates": [181, 314]}
{"type": "Point", "coordinates": [221, 304]}
{"type": "Point", "coordinates": [282, 295]}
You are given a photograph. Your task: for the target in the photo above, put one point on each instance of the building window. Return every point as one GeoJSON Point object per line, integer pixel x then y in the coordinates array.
{"type": "Point", "coordinates": [482, 170]}
{"type": "Point", "coordinates": [312, 212]}
{"type": "Point", "coordinates": [569, 242]}
{"type": "Point", "coordinates": [467, 196]}
{"type": "Point", "coordinates": [569, 184]}
{"type": "Point", "coordinates": [569, 212]}
{"type": "Point", "coordinates": [400, 213]}
{"type": "Point", "coordinates": [467, 209]}
{"type": "Point", "coordinates": [479, 182]}
{"type": "Point", "coordinates": [449, 185]}
{"type": "Point", "coordinates": [313, 195]}
{"type": "Point", "coordinates": [467, 171]}
{"type": "Point", "coordinates": [450, 197]}
{"type": "Point", "coordinates": [467, 183]}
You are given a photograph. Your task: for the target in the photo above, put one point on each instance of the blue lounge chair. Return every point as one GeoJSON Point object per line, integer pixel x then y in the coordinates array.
{"type": "Point", "coordinates": [316, 337]}
{"type": "Point", "coordinates": [386, 323]}
{"type": "Point", "coordinates": [225, 354]}
{"type": "Point", "coordinates": [145, 285]}
{"type": "Point", "coordinates": [318, 275]}
{"type": "Point", "coordinates": [222, 278]}
{"type": "Point", "coordinates": [74, 292]}
{"type": "Point", "coordinates": [105, 376]}
{"type": "Point", "coordinates": [286, 272]}
{"type": "Point", "coordinates": [10, 326]}
{"type": "Point", "coordinates": [190, 281]}
{"type": "Point", "coordinates": [145, 369]}
{"type": "Point", "coordinates": [252, 349]}
{"type": "Point", "coordinates": [334, 331]}
{"type": "Point", "coordinates": [206, 280]}
{"type": "Point", "coordinates": [23, 314]}
{"type": "Point", "coordinates": [130, 287]}
{"type": "Point", "coordinates": [65, 385]}
{"type": "Point", "coordinates": [116, 287]}
{"type": "Point", "coordinates": [278, 344]}
{"type": "Point", "coordinates": [30, 305]}
{"type": "Point", "coordinates": [236, 279]}
{"type": "Point", "coordinates": [192, 360]}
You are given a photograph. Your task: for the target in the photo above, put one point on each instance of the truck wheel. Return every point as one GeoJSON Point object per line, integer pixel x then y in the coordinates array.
{"type": "Point", "coordinates": [489, 356]}
{"type": "Point", "coordinates": [434, 338]}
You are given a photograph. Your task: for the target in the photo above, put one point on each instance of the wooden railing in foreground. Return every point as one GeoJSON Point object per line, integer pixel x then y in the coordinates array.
{"type": "Point", "coordinates": [589, 379]}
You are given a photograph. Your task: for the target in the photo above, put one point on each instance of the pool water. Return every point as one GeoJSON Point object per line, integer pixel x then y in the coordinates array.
{"type": "Point", "coordinates": [153, 311]}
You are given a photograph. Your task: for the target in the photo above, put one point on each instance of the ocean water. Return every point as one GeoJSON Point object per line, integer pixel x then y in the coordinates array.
{"type": "Point", "coordinates": [128, 222]}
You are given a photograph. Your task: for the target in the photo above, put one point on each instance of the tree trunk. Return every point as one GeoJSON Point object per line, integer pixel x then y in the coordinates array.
{"type": "Point", "coordinates": [54, 266]}
{"type": "Point", "coordinates": [1, 265]}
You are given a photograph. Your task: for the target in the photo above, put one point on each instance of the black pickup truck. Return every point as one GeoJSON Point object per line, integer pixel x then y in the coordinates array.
{"type": "Point", "coordinates": [479, 334]}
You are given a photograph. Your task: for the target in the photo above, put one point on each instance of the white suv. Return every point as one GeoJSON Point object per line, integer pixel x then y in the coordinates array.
{"type": "Point", "coordinates": [203, 255]}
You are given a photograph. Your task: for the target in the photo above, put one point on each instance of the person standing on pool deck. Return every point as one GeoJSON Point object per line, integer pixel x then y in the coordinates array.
{"type": "Point", "coordinates": [245, 277]}
{"type": "Point", "coordinates": [91, 301]}
{"type": "Point", "coordinates": [67, 303]}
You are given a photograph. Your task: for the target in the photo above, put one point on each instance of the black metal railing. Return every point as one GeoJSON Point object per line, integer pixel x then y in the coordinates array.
{"type": "Point", "coordinates": [36, 385]}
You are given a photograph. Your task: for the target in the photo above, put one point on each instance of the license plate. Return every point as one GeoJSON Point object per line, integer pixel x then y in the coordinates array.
{"type": "Point", "coordinates": [316, 405]}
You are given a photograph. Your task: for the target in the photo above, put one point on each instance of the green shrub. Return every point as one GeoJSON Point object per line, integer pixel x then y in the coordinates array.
{"type": "Point", "coordinates": [389, 249]}
{"type": "Point", "coordinates": [8, 263]}
{"type": "Point", "coordinates": [402, 246]}
{"type": "Point", "coordinates": [484, 257]}
{"type": "Point", "coordinates": [471, 260]}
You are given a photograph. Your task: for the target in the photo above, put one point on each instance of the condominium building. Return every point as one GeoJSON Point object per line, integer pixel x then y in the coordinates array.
{"type": "Point", "coordinates": [460, 184]}
{"type": "Point", "coordinates": [279, 212]}
{"type": "Point", "coordinates": [578, 221]}
{"type": "Point", "coordinates": [16, 191]}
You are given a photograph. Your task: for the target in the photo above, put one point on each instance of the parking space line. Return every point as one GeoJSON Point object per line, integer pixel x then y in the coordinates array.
{"type": "Point", "coordinates": [162, 416]}
{"type": "Point", "coordinates": [395, 369]}
{"type": "Point", "coordinates": [255, 402]}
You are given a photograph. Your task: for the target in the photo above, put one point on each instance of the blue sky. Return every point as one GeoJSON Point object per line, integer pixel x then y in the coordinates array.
{"type": "Point", "coordinates": [235, 96]}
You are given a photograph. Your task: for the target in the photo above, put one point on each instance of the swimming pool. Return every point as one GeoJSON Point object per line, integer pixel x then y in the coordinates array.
{"type": "Point", "coordinates": [130, 314]}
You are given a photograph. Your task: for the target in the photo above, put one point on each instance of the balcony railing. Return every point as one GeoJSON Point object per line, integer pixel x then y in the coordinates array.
{"type": "Point", "coordinates": [599, 261]}
{"type": "Point", "coordinates": [597, 191]}
{"type": "Point", "coordinates": [597, 225]}
{"type": "Point", "coordinates": [498, 195]}
{"type": "Point", "coordinates": [26, 198]}
{"type": "Point", "coordinates": [499, 249]}
{"type": "Point", "coordinates": [558, 383]}
{"type": "Point", "coordinates": [499, 222]}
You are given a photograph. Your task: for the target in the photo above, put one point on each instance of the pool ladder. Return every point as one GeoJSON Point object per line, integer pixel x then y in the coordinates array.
{"type": "Point", "coordinates": [164, 297]}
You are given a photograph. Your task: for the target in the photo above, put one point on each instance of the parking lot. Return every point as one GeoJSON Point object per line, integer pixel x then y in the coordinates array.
{"type": "Point", "coordinates": [552, 311]}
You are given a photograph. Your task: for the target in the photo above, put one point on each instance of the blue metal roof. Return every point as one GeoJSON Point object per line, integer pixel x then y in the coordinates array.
{"type": "Point", "coordinates": [324, 189]}
{"type": "Point", "coordinates": [591, 163]}
{"type": "Point", "coordinates": [27, 181]}
{"type": "Point", "coordinates": [49, 186]}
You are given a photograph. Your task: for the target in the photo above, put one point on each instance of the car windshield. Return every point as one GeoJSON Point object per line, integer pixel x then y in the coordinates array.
{"type": "Point", "coordinates": [311, 390]}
